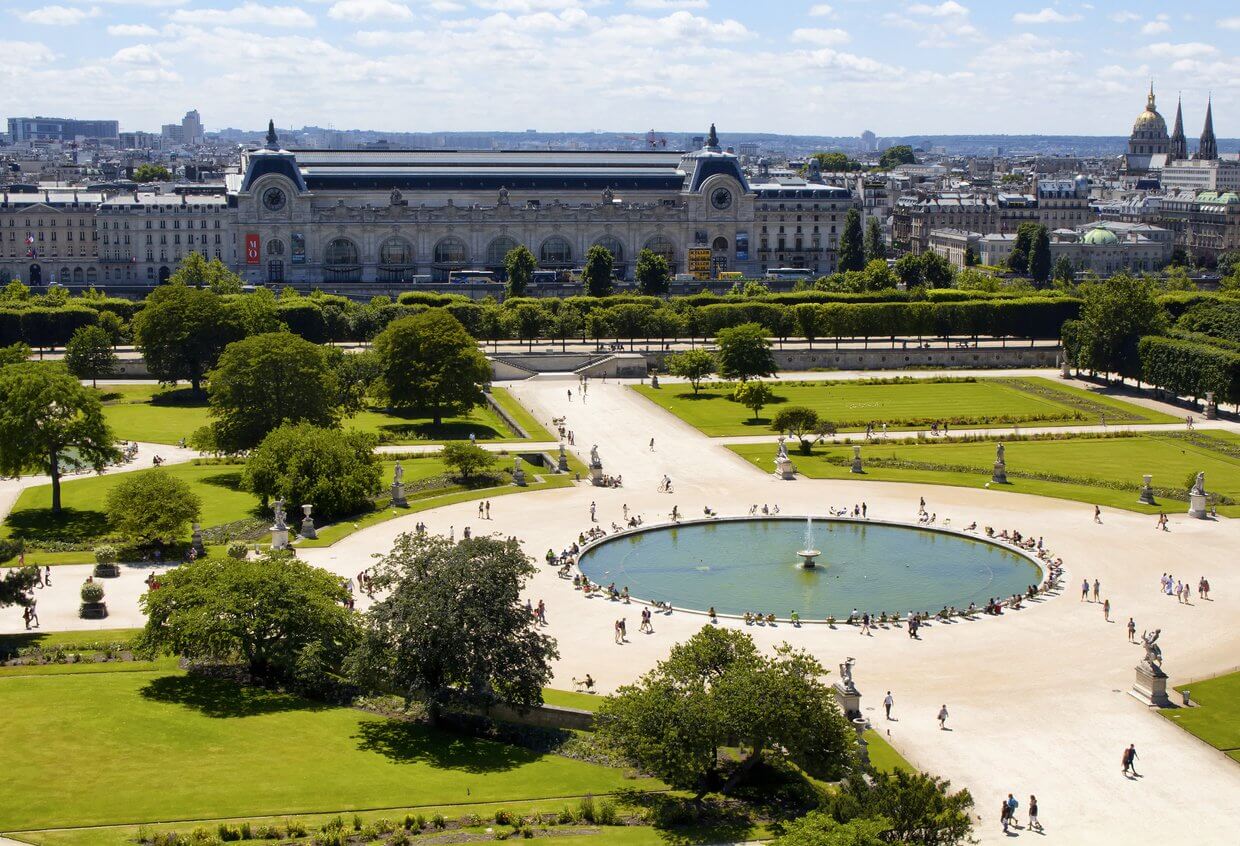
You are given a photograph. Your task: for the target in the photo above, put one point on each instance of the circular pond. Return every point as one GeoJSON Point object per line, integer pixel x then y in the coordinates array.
{"type": "Point", "coordinates": [752, 565]}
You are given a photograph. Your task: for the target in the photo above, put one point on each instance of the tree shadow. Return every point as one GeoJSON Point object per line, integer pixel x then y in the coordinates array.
{"type": "Point", "coordinates": [179, 397]}
{"type": "Point", "coordinates": [680, 823]}
{"type": "Point", "coordinates": [228, 481]}
{"type": "Point", "coordinates": [405, 742]}
{"type": "Point", "coordinates": [222, 699]}
{"type": "Point", "coordinates": [448, 431]}
{"type": "Point", "coordinates": [71, 525]}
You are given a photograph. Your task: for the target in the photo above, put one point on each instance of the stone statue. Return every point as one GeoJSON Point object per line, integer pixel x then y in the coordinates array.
{"type": "Point", "coordinates": [503, 196]}
{"type": "Point", "coordinates": [1153, 653]}
{"type": "Point", "coordinates": [608, 195]}
{"type": "Point", "coordinates": [783, 449]}
{"type": "Point", "coordinates": [277, 508]}
{"type": "Point", "coordinates": [397, 198]}
{"type": "Point", "coordinates": [595, 461]}
{"type": "Point", "coordinates": [999, 453]}
{"type": "Point", "coordinates": [398, 475]}
{"type": "Point", "coordinates": [1199, 486]}
{"type": "Point", "coordinates": [846, 678]}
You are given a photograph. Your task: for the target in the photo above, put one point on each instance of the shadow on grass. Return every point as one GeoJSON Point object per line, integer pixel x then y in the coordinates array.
{"type": "Point", "coordinates": [184, 397]}
{"type": "Point", "coordinates": [414, 743]}
{"type": "Point", "coordinates": [222, 699]}
{"type": "Point", "coordinates": [680, 823]}
{"type": "Point", "coordinates": [443, 432]}
{"type": "Point", "coordinates": [71, 525]}
{"type": "Point", "coordinates": [228, 481]}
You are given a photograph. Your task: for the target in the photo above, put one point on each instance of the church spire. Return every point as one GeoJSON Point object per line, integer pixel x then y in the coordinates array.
{"type": "Point", "coordinates": [1149, 101]}
{"type": "Point", "coordinates": [273, 143]}
{"type": "Point", "coordinates": [1208, 149]}
{"type": "Point", "coordinates": [1179, 145]}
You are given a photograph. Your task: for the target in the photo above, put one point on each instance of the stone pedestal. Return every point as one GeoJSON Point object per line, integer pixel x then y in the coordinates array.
{"type": "Point", "coordinates": [1146, 497]}
{"type": "Point", "coordinates": [196, 541]}
{"type": "Point", "coordinates": [860, 724]}
{"type": "Point", "coordinates": [1197, 506]}
{"type": "Point", "coordinates": [596, 475]}
{"type": "Point", "coordinates": [784, 468]}
{"type": "Point", "coordinates": [307, 524]}
{"type": "Point", "coordinates": [1211, 412]}
{"type": "Point", "coordinates": [398, 495]}
{"type": "Point", "coordinates": [1064, 370]}
{"type": "Point", "coordinates": [654, 380]}
{"type": "Point", "coordinates": [999, 475]}
{"type": "Point", "coordinates": [856, 461]}
{"type": "Point", "coordinates": [279, 537]}
{"type": "Point", "coordinates": [1150, 686]}
{"type": "Point", "coordinates": [518, 474]}
{"type": "Point", "coordinates": [562, 463]}
{"type": "Point", "coordinates": [849, 700]}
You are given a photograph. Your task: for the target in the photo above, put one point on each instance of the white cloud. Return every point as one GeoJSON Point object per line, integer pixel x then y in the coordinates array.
{"type": "Point", "coordinates": [370, 10]}
{"type": "Point", "coordinates": [821, 10]}
{"type": "Point", "coordinates": [132, 30]}
{"type": "Point", "coordinates": [948, 9]}
{"type": "Point", "coordinates": [19, 54]}
{"type": "Point", "coordinates": [1124, 17]}
{"type": "Point", "coordinates": [247, 14]}
{"type": "Point", "coordinates": [59, 15]}
{"type": "Point", "coordinates": [1186, 50]}
{"type": "Point", "coordinates": [1229, 23]}
{"type": "Point", "coordinates": [150, 4]}
{"type": "Point", "coordinates": [820, 37]}
{"type": "Point", "coordinates": [1045, 16]}
{"type": "Point", "coordinates": [663, 5]}
{"type": "Point", "coordinates": [1155, 28]}
{"type": "Point", "coordinates": [139, 54]}
{"type": "Point", "coordinates": [942, 26]}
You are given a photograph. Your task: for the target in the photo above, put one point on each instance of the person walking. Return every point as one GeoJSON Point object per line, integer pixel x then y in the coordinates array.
{"type": "Point", "coordinates": [593, 509]}
{"type": "Point", "coordinates": [1005, 816]}
{"type": "Point", "coordinates": [1097, 514]}
{"type": "Point", "coordinates": [888, 701]}
{"type": "Point", "coordinates": [1132, 630]}
{"type": "Point", "coordinates": [1097, 589]}
{"type": "Point", "coordinates": [1034, 824]}
{"type": "Point", "coordinates": [943, 718]}
{"type": "Point", "coordinates": [47, 576]}
{"type": "Point", "coordinates": [570, 394]}
{"type": "Point", "coordinates": [1012, 805]}
{"type": "Point", "coordinates": [616, 631]}
{"type": "Point", "coordinates": [488, 509]}
{"type": "Point", "coordinates": [1106, 610]}
{"type": "Point", "coordinates": [1130, 760]}
{"type": "Point", "coordinates": [33, 608]}
{"type": "Point", "coordinates": [652, 444]}
{"type": "Point", "coordinates": [1084, 586]}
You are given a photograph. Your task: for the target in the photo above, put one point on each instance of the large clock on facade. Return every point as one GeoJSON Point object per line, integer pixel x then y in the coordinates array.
{"type": "Point", "coordinates": [721, 198]}
{"type": "Point", "coordinates": [273, 199]}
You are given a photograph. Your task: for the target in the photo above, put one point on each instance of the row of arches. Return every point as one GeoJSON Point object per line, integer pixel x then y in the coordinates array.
{"type": "Point", "coordinates": [64, 276]}
{"type": "Point", "coordinates": [452, 252]}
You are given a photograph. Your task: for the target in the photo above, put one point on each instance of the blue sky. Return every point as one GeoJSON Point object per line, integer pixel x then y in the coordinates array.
{"type": "Point", "coordinates": [793, 66]}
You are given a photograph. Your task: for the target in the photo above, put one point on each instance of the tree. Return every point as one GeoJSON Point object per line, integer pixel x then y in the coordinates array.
{"type": "Point", "coordinates": [567, 322]}
{"type": "Point", "coordinates": [716, 690]}
{"type": "Point", "coordinates": [181, 331]}
{"type": "Point", "coordinates": [970, 256]}
{"type": "Point", "coordinates": [1115, 313]}
{"type": "Point", "coordinates": [152, 506]}
{"type": "Point", "coordinates": [819, 829]}
{"type": "Point", "coordinates": [270, 612]}
{"type": "Point", "coordinates": [896, 156]}
{"type": "Point", "coordinates": [693, 365]}
{"type": "Point", "coordinates": [918, 808]}
{"type": "Point", "coordinates": [936, 271]}
{"type": "Point", "coordinates": [597, 272]}
{"type": "Point", "coordinates": [451, 627]}
{"type": "Point", "coordinates": [256, 313]}
{"type": "Point", "coordinates": [852, 247]}
{"type": "Point", "coordinates": [89, 355]}
{"type": "Point", "coordinates": [519, 265]}
{"type": "Point", "coordinates": [878, 276]}
{"type": "Point", "coordinates": [428, 361]}
{"type": "Point", "coordinates": [355, 375]}
{"type": "Point", "coordinates": [267, 380]}
{"type": "Point", "coordinates": [148, 172]}
{"type": "Point", "coordinates": [336, 472]}
{"type": "Point", "coordinates": [15, 353]}
{"type": "Point", "coordinates": [468, 459]}
{"type": "Point", "coordinates": [754, 395]}
{"type": "Point", "coordinates": [527, 321]}
{"type": "Point", "coordinates": [835, 162]}
{"type": "Point", "coordinates": [908, 270]}
{"type": "Point", "coordinates": [799, 422]}
{"type": "Point", "coordinates": [809, 320]}
{"type": "Point", "coordinates": [197, 272]}
{"type": "Point", "coordinates": [875, 247]}
{"type": "Point", "coordinates": [1040, 255]}
{"type": "Point", "coordinates": [1063, 272]}
{"type": "Point", "coordinates": [653, 273]}
{"type": "Point", "coordinates": [1022, 247]}
{"type": "Point", "coordinates": [17, 586]}
{"type": "Point", "coordinates": [49, 423]}
{"type": "Point", "coordinates": [744, 352]}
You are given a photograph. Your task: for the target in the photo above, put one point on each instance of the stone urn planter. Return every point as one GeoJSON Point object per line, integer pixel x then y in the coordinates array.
{"type": "Point", "coordinates": [93, 607]}
{"type": "Point", "coordinates": [105, 562]}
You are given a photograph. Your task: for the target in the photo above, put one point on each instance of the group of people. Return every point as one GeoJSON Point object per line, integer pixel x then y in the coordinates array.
{"type": "Point", "coordinates": [1007, 814]}
{"type": "Point", "coordinates": [871, 430]}
{"type": "Point", "coordinates": [751, 618]}
{"type": "Point", "coordinates": [484, 509]}
{"type": "Point", "coordinates": [1172, 586]}
{"type": "Point", "coordinates": [859, 510]}
{"type": "Point", "coordinates": [564, 433]}
{"type": "Point", "coordinates": [766, 509]}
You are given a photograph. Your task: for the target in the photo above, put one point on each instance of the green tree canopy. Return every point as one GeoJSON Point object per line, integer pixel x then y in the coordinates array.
{"type": "Point", "coordinates": [1022, 247]}
{"type": "Point", "coordinates": [519, 264]}
{"type": "Point", "coordinates": [336, 472]}
{"type": "Point", "coordinates": [89, 355]}
{"type": "Point", "coordinates": [181, 332]}
{"type": "Point", "coordinates": [271, 612]}
{"type": "Point", "coordinates": [1040, 255]}
{"type": "Point", "coordinates": [17, 586]}
{"type": "Point", "coordinates": [50, 423]}
{"type": "Point", "coordinates": [836, 162]}
{"type": "Point", "coordinates": [744, 352]}
{"type": "Point", "coordinates": [799, 422]}
{"type": "Point", "coordinates": [597, 272]}
{"type": "Point", "coordinates": [819, 829]}
{"type": "Point", "coordinates": [1063, 273]}
{"type": "Point", "coordinates": [896, 156]}
{"type": "Point", "coordinates": [919, 808]}
{"type": "Point", "coordinates": [875, 246]}
{"type": "Point", "coordinates": [852, 246]}
{"type": "Point", "coordinates": [653, 273]}
{"type": "Point", "coordinates": [197, 271]}
{"type": "Point", "coordinates": [267, 380]}
{"type": "Point", "coordinates": [15, 353]}
{"type": "Point", "coordinates": [467, 459]}
{"type": "Point", "coordinates": [716, 690]}
{"type": "Point", "coordinates": [152, 505]}
{"type": "Point", "coordinates": [428, 361]}
{"type": "Point", "coordinates": [148, 172]}
{"type": "Point", "coordinates": [451, 626]}
{"type": "Point", "coordinates": [693, 365]}
{"type": "Point", "coordinates": [1115, 313]}
{"type": "Point", "coordinates": [754, 394]}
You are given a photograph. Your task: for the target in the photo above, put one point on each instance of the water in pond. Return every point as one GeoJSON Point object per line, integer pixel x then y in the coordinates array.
{"type": "Point", "coordinates": [752, 565]}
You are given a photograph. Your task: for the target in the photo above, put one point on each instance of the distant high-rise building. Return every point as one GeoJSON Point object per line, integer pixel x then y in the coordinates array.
{"type": "Point", "coordinates": [172, 133]}
{"type": "Point", "coordinates": [191, 128]}
{"type": "Point", "coordinates": [60, 129]}
{"type": "Point", "coordinates": [869, 141]}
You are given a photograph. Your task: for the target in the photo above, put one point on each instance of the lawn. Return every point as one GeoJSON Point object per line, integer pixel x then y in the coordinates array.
{"type": "Point", "coordinates": [1083, 469]}
{"type": "Point", "coordinates": [130, 747]}
{"type": "Point", "coordinates": [910, 404]}
{"type": "Point", "coordinates": [1217, 719]}
{"type": "Point", "coordinates": [153, 414]}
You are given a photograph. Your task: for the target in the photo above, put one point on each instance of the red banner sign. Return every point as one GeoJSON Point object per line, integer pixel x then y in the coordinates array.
{"type": "Point", "coordinates": [251, 248]}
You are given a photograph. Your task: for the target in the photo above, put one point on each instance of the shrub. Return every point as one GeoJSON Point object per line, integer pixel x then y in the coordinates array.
{"type": "Point", "coordinates": [400, 838]}
{"type": "Point", "coordinates": [471, 820]}
{"type": "Point", "coordinates": [335, 471]}
{"type": "Point", "coordinates": [585, 809]}
{"type": "Point", "coordinates": [268, 832]}
{"type": "Point", "coordinates": [438, 821]}
{"type": "Point", "coordinates": [565, 817]}
{"type": "Point", "coordinates": [357, 823]}
{"type": "Point", "coordinates": [152, 505]}
{"type": "Point", "coordinates": [607, 813]}
{"type": "Point", "coordinates": [295, 828]}
{"type": "Point", "coordinates": [228, 832]}
{"type": "Point", "coordinates": [10, 549]}
{"type": "Point", "coordinates": [238, 550]}
{"type": "Point", "coordinates": [92, 592]}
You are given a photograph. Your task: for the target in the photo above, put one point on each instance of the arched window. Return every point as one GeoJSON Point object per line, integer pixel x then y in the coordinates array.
{"type": "Point", "coordinates": [498, 250]}
{"type": "Point", "coordinates": [79, 276]}
{"type": "Point", "coordinates": [662, 246]}
{"type": "Point", "coordinates": [451, 250]}
{"type": "Point", "coordinates": [613, 246]}
{"type": "Point", "coordinates": [555, 250]}
{"type": "Point", "coordinates": [395, 252]}
{"type": "Point", "coordinates": [341, 253]}
{"type": "Point", "coordinates": [719, 245]}
{"type": "Point", "coordinates": [65, 275]}
{"type": "Point", "coordinates": [275, 247]}
{"type": "Point", "coordinates": [91, 276]}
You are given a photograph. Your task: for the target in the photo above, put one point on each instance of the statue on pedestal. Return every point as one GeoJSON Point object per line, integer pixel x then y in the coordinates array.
{"type": "Point", "coordinates": [595, 461]}
{"type": "Point", "coordinates": [856, 461]}
{"type": "Point", "coordinates": [563, 461]}
{"type": "Point", "coordinates": [307, 523]}
{"type": "Point", "coordinates": [279, 529]}
{"type": "Point", "coordinates": [277, 508]}
{"type": "Point", "coordinates": [783, 449]}
{"type": "Point", "coordinates": [1199, 486]}
{"type": "Point", "coordinates": [398, 487]}
{"type": "Point", "coordinates": [1153, 652]}
{"type": "Point", "coordinates": [518, 474]}
{"type": "Point", "coordinates": [846, 677]}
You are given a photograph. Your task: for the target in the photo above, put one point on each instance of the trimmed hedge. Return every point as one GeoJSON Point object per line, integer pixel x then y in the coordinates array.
{"type": "Point", "coordinates": [1189, 368]}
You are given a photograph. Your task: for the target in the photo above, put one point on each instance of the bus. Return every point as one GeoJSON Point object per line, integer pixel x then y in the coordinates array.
{"type": "Point", "coordinates": [790, 273]}
{"type": "Point", "coordinates": [471, 276]}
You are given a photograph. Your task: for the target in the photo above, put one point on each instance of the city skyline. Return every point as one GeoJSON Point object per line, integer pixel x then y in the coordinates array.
{"type": "Point", "coordinates": [897, 68]}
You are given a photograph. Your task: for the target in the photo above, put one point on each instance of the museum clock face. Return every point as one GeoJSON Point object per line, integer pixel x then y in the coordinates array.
{"type": "Point", "coordinates": [721, 198]}
{"type": "Point", "coordinates": [273, 199]}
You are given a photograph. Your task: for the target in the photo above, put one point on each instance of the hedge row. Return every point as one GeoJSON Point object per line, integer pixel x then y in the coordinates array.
{"type": "Point", "coordinates": [1189, 368]}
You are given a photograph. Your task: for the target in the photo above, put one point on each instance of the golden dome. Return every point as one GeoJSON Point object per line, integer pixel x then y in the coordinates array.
{"type": "Point", "coordinates": [1150, 120]}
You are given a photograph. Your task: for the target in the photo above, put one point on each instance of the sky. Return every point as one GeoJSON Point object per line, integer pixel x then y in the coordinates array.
{"type": "Point", "coordinates": [786, 66]}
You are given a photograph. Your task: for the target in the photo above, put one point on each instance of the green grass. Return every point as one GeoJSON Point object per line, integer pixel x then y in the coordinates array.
{"type": "Point", "coordinates": [75, 640]}
{"type": "Point", "coordinates": [1115, 460]}
{"type": "Point", "coordinates": [116, 748]}
{"type": "Point", "coordinates": [572, 699]}
{"type": "Point", "coordinates": [904, 405]}
{"type": "Point", "coordinates": [883, 757]}
{"type": "Point", "coordinates": [1216, 720]}
{"type": "Point", "coordinates": [153, 414]}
